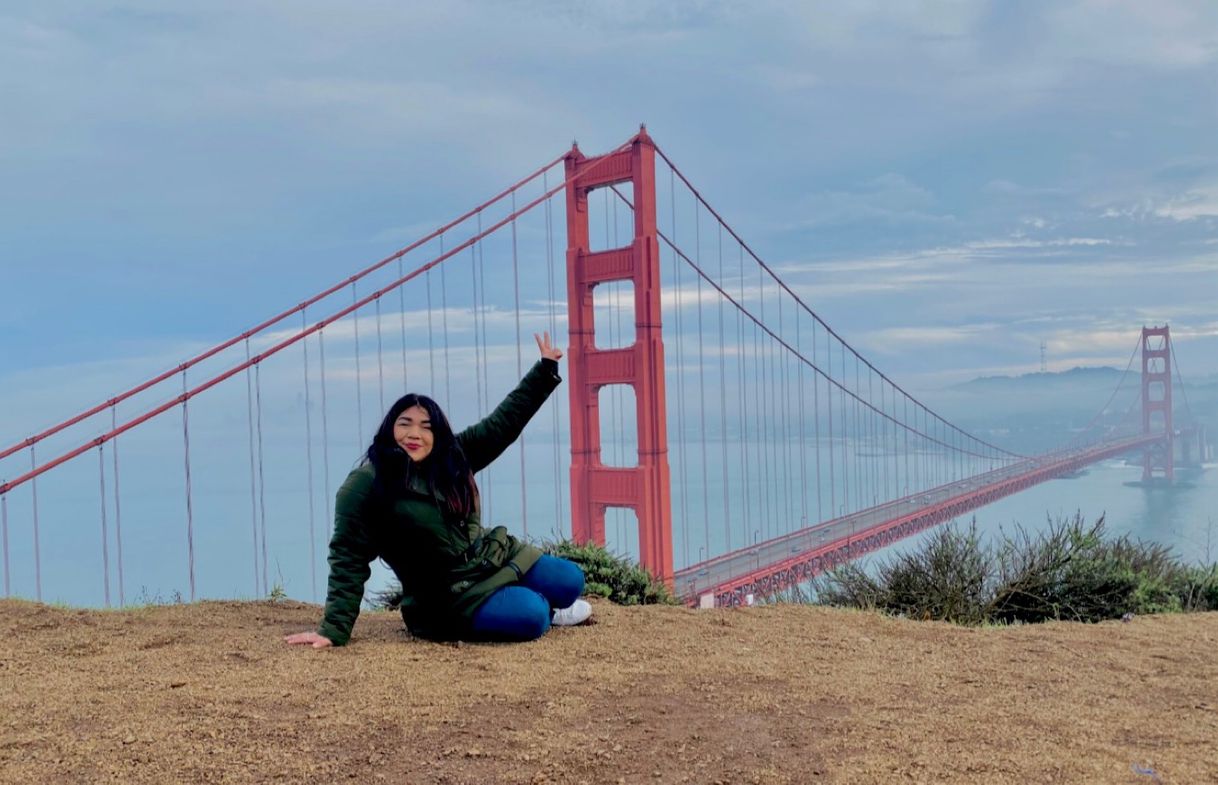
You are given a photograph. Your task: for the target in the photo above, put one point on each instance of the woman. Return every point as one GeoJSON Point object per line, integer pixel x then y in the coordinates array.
{"type": "Point", "coordinates": [413, 502]}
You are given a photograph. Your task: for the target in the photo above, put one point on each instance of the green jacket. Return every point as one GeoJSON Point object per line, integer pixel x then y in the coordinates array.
{"type": "Point", "coordinates": [446, 567]}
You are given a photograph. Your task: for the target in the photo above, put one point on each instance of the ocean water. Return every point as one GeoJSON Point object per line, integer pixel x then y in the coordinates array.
{"type": "Point", "coordinates": [228, 536]}
{"type": "Point", "coordinates": [1183, 516]}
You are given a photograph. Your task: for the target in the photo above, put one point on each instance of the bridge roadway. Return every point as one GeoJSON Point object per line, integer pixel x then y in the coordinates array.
{"type": "Point", "coordinates": [778, 563]}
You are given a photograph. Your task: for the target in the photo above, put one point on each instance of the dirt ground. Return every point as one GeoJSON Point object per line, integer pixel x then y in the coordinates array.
{"type": "Point", "coordinates": [787, 694]}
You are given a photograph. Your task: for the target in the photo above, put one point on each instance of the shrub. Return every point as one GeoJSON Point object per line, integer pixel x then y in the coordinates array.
{"type": "Point", "coordinates": [614, 577]}
{"type": "Point", "coordinates": [1070, 571]}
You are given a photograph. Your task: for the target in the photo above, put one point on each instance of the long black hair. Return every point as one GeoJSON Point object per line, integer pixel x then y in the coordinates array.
{"type": "Point", "coordinates": [445, 468]}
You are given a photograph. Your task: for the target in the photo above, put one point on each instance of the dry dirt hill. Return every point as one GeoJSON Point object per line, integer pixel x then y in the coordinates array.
{"type": "Point", "coordinates": [787, 694]}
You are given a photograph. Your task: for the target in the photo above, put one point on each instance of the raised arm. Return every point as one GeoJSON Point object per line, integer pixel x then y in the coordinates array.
{"type": "Point", "coordinates": [486, 440]}
{"type": "Point", "coordinates": [351, 555]}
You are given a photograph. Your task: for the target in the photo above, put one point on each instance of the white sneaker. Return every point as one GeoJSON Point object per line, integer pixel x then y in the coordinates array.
{"type": "Point", "coordinates": [578, 613]}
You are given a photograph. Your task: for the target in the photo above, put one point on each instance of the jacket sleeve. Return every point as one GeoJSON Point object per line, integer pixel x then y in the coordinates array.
{"type": "Point", "coordinates": [486, 440]}
{"type": "Point", "coordinates": [351, 555]}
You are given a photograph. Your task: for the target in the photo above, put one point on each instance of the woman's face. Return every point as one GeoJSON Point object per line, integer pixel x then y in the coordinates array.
{"type": "Point", "coordinates": [412, 432]}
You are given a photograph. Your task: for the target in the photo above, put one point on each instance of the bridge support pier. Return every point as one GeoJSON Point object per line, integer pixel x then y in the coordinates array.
{"type": "Point", "coordinates": [1158, 460]}
{"type": "Point", "coordinates": [594, 487]}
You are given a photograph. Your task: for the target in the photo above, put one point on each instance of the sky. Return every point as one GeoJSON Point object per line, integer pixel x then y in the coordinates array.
{"type": "Point", "coordinates": [952, 183]}
{"type": "Point", "coordinates": [949, 185]}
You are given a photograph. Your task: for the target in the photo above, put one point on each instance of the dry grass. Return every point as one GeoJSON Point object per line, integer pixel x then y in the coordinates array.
{"type": "Point", "coordinates": [788, 694]}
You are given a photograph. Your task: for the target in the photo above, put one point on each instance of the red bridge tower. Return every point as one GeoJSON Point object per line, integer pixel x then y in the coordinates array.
{"type": "Point", "coordinates": [594, 487]}
{"type": "Point", "coordinates": [1157, 459]}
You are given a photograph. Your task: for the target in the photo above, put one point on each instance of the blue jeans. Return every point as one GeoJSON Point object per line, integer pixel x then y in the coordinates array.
{"type": "Point", "coordinates": [521, 612]}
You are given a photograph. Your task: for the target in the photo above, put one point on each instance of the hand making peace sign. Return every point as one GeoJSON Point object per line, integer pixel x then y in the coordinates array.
{"type": "Point", "coordinates": [547, 350]}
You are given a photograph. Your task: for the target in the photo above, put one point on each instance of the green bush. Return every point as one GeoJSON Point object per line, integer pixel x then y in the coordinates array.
{"type": "Point", "coordinates": [613, 577]}
{"type": "Point", "coordinates": [1070, 571]}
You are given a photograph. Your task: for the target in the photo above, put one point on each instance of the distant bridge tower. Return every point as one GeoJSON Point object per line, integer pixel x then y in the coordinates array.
{"type": "Point", "coordinates": [1157, 459]}
{"type": "Point", "coordinates": [594, 487]}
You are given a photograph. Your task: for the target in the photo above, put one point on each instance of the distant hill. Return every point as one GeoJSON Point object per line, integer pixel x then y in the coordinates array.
{"type": "Point", "coordinates": [1039, 411]}
{"type": "Point", "coordinates": [1080, 375]}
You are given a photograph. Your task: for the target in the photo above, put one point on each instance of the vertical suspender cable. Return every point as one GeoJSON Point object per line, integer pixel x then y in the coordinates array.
{"type": "Point", "coordinates": [829, 412]}
{"type": "Point", "coordinates": [919, 449]}
{"type": "Point", "coordinates": [744, 406]}
{"type": "Point", "coordinates": [896, 451]}
{"type": "Point", "coordinates": [771, 413]}
{"type": "Point", "coordinates": [8, 589]}
{"type": "Point", "coordinates": [845, 447]}
{"type": "Point", "coordinates": [787, 436]}
{"type": "Point", "coordinates": [524, 499]}
{"type": "Point", "coordinates": [799, 396]}
{"type": "Point", "coordinates": [782, 497]}
{"type": "Point", "coordinates": [431, 340]}
{"type": "Point", "coordinates": [774, 379]}
{"type": "Point", "coordinates": [946, 463]}
{"type": "Point", "coordinates": [473, 275]}
{"type": "Point", "coordinates": [952, 457]}
{"type": "Point", "coordinates": [702, 389]}
{"type": "Point", "coordinates": [860, 490]}
{"type": "Point", "coordinates": [763, 412]}
{"type": "Point", "coordinates": [677, 339]}
{"type": "Point", "coordinates": [781, 440]}
{"type": "Point", "coordinates": [758, 429]}
{"type": "Point", "coordinates": [486, 360]}
{"type": "Point", "coordinates": [884, 430]}
{"type": "Point", "coordinates": [727, 506]}
{"type": "Point", "coordinates": [880, 428]}
{"type": "Point", "coordinates": [118, 509]}
{"type": "Point", "coordinates": [887, 438]}
{"type": "Point", "coordinates": [325, 425]}
{"type": "Point", "coordinates": [957, 456]}
{"type": "Point", "coordinates": [820, 516]}
{"type": "Point", "coordinates": [935, 440]}
{"type": "Point", "coordinates": [905, 437]}
{"type": "Point", "coordinates": [309, 449]}
{"type": "Point", "coordinates": [380, 360]}
{"type": "Point", "coordinates": [37, 549]}
{"type": "Point", "coordinates": [930, 458]}
{"type": "Point", "coordinates": [879, 435]}
{"type": "Point", "coordinates": [359, 397]}
{"type": "Point", "coordinates": [266, 589]}
{"type": "Point", "coordinates": [872, 449]}
{"type": "Point", "coordinates": [702, 399]}
{"type": "Point", "coordinates": [190, 519]}
{"type": "Point", "coordinates": [402, 319]}
{"type": "Point", "coordinates": [553, 324]}
{"type": "Point", "coordinates": [249, 418]}
{"type": "Point", "coordinates": [105, 534]}
{"type": "Point", "coordinates": [448, 389]}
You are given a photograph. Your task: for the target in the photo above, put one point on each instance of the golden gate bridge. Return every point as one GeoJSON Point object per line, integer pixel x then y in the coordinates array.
{"type": "Point", "coordinates": [709, 411]}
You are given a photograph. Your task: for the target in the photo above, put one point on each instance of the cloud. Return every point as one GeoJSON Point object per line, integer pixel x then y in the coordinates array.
{"type": "Point", "coordinates": [1167, 35]}
{"type": "Point", "coordinates": [900, 339]}
{"type": "Point", "coordinates": [1001, 187]}
{"type": "Point", "coordinates": [890, 198]}
{"type": "Point", "coordinates": [785, 79]}
{"type": "Point", "coordinates": [1198, 203]}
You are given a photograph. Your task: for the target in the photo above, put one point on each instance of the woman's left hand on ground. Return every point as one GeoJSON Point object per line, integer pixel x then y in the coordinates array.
{"type": "Point", "coordinates": [308, 639]}
{"type": "Point", "coordinates": [548, 351]}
